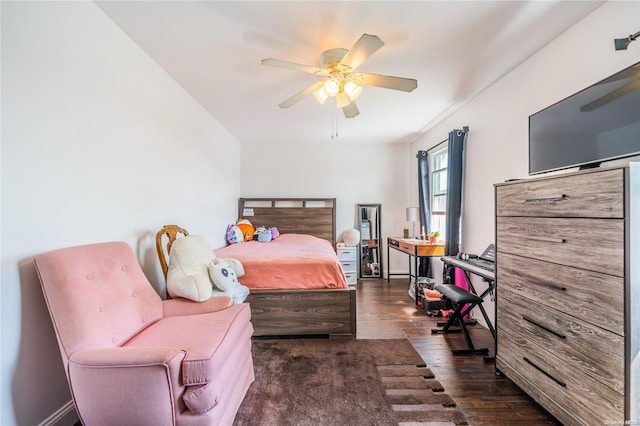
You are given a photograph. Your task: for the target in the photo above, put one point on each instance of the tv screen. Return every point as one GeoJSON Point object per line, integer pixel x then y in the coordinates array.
{"type": "Point", "coordinates": [599, 123]}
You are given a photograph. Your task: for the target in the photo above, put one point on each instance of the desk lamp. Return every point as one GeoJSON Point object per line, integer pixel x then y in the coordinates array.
{"type": "Point", "coordinates": [413, 217]}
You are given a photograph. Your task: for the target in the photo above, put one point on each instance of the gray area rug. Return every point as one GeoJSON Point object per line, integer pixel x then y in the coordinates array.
{"type": "Point", "coordinates": [344, 382]}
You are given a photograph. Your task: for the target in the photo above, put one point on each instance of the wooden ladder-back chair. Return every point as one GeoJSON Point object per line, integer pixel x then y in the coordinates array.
{"type": "Point", "coordinates": [171, 232]}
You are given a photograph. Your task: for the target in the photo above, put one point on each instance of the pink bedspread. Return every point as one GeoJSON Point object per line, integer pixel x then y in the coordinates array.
{"type": "Point", "coordinates": [291, 261]}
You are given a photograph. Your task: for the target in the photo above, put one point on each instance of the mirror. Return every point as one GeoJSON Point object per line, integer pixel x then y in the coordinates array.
{"type": "Point", "coordinates": [370, 239]}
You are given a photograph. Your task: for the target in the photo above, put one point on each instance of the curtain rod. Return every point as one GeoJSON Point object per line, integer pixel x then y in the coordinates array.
{"type": "Point", "coordinates": [437, 145]}
{"type": "Point", "coordinates": [465, 129]}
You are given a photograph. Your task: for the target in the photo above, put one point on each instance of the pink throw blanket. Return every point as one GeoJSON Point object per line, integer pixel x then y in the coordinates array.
{"type": "Point", "coordinates": [291, 261]}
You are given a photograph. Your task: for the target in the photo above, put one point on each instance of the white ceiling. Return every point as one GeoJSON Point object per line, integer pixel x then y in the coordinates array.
{"type": "Point", "coordinates": [455, 49]}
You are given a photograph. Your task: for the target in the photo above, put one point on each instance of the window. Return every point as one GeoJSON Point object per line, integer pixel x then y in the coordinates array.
{"type": "Point", "coordinates": [438, 178]}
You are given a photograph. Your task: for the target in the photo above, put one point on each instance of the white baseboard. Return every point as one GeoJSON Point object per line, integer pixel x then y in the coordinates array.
{"type": "Point", "coordinates": [64, 416]}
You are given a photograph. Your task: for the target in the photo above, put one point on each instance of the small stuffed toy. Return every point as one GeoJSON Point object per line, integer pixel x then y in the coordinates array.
{"type": "Point", "coordinates": [226, 282]}
{"type": "Point", "coordinates": [264, 234]}
{"type": "Point", "coordinates": [351, 237]}
{"type": "Point", "coordinates": [234, 234]}
{"type": "Point", "coordinates": [223, 275]}
{"type": "Point", "coordinates": [235, 265]}
{"type": "Point", "coordinates": [247, 229]}
{"type": "Point", "coordinates": [274, 232]}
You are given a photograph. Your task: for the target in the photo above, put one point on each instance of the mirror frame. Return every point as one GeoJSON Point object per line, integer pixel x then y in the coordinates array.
{"type": "Point", "coordinates": [369, 248]}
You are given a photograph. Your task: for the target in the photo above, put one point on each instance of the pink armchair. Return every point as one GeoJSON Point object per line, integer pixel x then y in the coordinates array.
{"type": "Point", "coordinates": [132, 358]}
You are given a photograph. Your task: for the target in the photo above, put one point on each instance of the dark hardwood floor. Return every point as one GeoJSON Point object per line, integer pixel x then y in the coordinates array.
{"type": "Point", "coordinates": [385, 311]}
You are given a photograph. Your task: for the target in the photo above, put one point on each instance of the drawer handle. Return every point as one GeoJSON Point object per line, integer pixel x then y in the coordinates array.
{"type": "Point", "coordinates": [560, 382]}
{"type": "Point", "coordinates": [537, 324]}
{"type": "Point", "coordinates": [540, 238]}
{"type": "Point", "coordinates": [542, 283]}
{"type": "Point", "coordinates": [548, 199]}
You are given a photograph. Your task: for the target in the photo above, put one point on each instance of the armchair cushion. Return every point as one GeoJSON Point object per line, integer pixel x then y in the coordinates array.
{"type": "Point", "coordinates": [173, 307]}
{"type": "Point", "coordinates": [208, 360]}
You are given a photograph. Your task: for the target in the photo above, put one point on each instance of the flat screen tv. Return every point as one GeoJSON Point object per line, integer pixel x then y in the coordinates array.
{"type": "Point", "coordinates": [597, 124]}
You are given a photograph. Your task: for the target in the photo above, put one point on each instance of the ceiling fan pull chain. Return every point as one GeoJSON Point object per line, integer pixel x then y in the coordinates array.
{"type": "Point", "coordinates": [333, 125]}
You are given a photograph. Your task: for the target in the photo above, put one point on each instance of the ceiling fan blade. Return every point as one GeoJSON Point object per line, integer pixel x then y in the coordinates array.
{"type": "Point", "coordinates": [611, 96]}
{"type": "Point", "coordinates": [633, 72]}
{"type": "Point", "coordinates": [293, 66]}
{"type": "Point", "coordinates": [351, 110]}
{"type": "Point", "coordinates": [300, 95]}
{"type": "Point", "coordinates": [386, 81]}
{"type": "Point", "coordinates": [366, 46]}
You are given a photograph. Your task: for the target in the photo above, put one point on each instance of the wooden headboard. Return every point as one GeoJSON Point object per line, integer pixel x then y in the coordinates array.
{"type": "Point", "coordinates": [314, 216]}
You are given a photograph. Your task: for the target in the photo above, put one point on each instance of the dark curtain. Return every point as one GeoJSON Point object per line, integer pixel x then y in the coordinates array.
{"type": "Point", "coordinates": [425, 212]}
{"type": "Point", "coordinates": [455, 170]}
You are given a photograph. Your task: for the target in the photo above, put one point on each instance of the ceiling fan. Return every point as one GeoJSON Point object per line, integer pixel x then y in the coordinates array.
{"type": "Point", "coordinates": [339, 79]}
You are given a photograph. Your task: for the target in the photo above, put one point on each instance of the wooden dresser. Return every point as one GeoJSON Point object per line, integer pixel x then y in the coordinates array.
{"type": "Point", "coordinates": [568, 292]}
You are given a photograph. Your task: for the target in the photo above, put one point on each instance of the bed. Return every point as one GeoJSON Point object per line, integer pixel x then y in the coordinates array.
{"type": "Point", "coordinates": [328, 309]}
{"type": "Point", "coordinates": [288, 262]}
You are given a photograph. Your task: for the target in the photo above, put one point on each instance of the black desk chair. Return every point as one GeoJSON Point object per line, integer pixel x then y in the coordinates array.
{"type": "Point", "coordinates": [459, 298]}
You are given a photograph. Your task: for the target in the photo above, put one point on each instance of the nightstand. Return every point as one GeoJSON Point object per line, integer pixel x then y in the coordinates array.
{"type": "Point", "coordinates": [348, 260]}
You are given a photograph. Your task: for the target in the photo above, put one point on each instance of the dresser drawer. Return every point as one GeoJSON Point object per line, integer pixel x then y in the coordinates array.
{"type": "Point", "coordinates": [586, 347]}
{"type": "Point", "coordinates": [592, 244]}
{"type": "Point", "coordinates": [598, 194]}
{"type": "Point", "coordinates": [349, 266]}
{"type": "Point", "coordinates": [352, 277]}
{"type": "Point", "coordinates": [557, 384]}
{"type": "Point", "coordinates": [591, 296]}
{"type": "Point", "coordinates": [346, 253]}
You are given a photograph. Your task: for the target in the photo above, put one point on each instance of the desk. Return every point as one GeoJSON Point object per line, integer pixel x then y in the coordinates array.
{"type": "Point", "coordinates": [415, 249]}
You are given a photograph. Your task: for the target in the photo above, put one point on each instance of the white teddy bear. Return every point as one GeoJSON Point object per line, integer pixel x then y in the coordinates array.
{"type": "Point", "coordinates": [194, 272]}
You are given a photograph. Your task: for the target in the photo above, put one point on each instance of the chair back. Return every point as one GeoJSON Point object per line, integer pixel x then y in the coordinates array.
{"type": "Point", "coordinates": [171, 233]}
{"type": "Point", "coordinates": [97, 295]}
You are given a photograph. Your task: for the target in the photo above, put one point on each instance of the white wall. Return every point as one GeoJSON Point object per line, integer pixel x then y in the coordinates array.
{"type": "Point", "coordinates": [352, 173]}
{"type": "Point", "coordinates": [98, 144]}
{"type": "Point", "coordinates": [497, 144]}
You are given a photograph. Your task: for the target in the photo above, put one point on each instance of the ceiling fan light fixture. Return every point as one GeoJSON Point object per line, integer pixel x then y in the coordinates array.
{"type": "Point", "coordinates": [352, 90]}
{"type": "Point", "coordinates": [332, 87]}
{"type": "Point", "coordinates": [342, 100]}
{"type": "Point", "coordinates": [338, 78]}
{"type": "Point", "coordinates": [320, 95]}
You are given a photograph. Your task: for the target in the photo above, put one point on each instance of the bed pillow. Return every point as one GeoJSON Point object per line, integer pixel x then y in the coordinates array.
{"type": "Point", "coordinates": [188, 274]}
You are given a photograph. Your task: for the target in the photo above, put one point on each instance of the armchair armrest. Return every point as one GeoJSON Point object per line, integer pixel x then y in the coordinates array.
{"type": "Point", "coordinates": [143, 382]}
{"type": "Point", "coordinates": [124, 356]}
{"type": "Point", "coordinates": [175, 307]}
